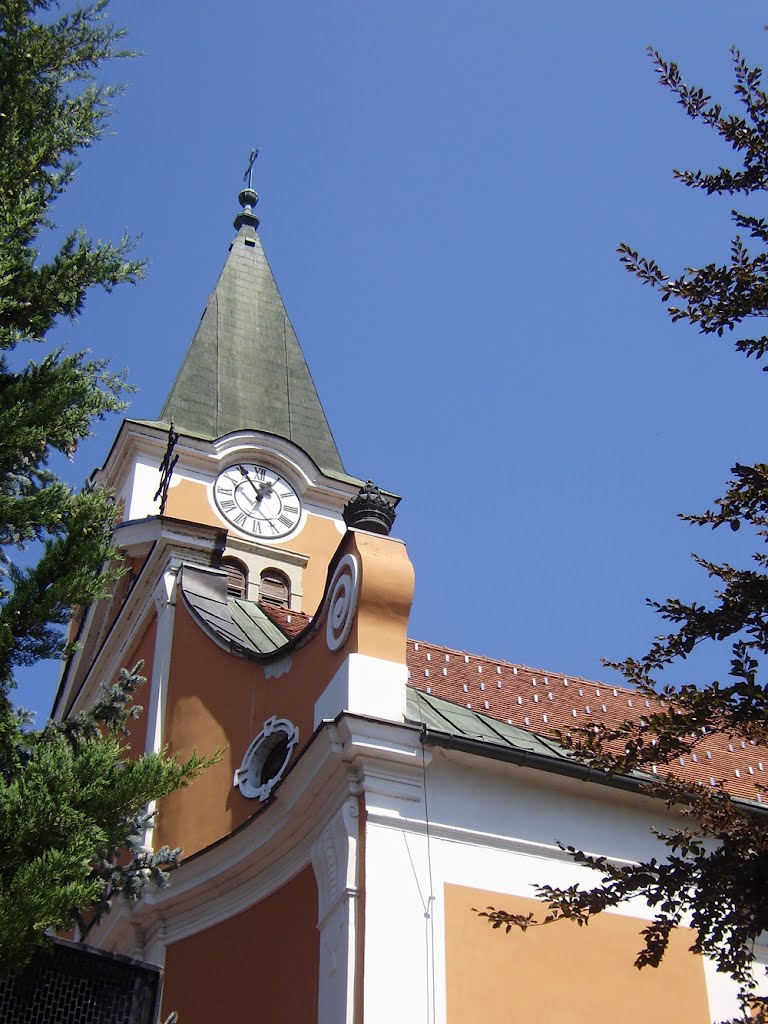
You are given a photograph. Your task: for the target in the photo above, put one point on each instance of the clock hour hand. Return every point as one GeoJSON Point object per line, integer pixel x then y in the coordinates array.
{"type": "Point", "coordinates": [262, 489]}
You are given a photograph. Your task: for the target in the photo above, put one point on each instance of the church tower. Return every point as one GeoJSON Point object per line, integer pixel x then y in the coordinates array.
{"type": "Point", "coordinates": [242, 461]}
{"type": "Point", "coordinates": [265, 599]}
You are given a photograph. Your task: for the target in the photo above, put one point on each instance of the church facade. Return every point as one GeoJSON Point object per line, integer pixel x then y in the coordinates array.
{"type": "Point", "coordinates": [373, 792]}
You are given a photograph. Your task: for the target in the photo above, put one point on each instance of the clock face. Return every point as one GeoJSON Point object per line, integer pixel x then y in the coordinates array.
{"type": "Point", "coordinates": [257, 500]}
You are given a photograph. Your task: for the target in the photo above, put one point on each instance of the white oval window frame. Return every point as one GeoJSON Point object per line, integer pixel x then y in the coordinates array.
{"type": "Point", "coordinates": [274, 731]}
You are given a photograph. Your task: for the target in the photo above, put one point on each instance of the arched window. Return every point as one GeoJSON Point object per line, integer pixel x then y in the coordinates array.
{"type": "Point", "coordinates": [237, 577]}
{"type": "Point", "coordinates": [275, 588]}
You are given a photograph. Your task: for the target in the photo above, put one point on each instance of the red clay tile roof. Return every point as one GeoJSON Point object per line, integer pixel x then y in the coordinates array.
{"type": "Point", "coordinates": [291, 623]}
{"type": "Point", "coordinates": [548, 701]}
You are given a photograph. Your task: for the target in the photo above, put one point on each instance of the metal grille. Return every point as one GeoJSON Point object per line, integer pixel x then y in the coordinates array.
{"type": "Point", "coordinates": [74, 985]}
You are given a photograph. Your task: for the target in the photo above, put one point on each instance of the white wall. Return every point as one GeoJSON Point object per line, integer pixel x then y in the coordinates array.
{"type": "Point", "coordinates": [491, 827]}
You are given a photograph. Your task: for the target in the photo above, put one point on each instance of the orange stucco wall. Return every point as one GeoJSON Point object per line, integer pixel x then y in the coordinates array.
{"type": "Point", "coordinates": [217, 700]}
{"type": "Point", "coordinates": [262, 965]}
{"type": "Point", "coordinates": [318, 538]}
{"type": "Point", "coordinates": [560, 973]}
{"type": "Point", "coordinates": [386, 592]}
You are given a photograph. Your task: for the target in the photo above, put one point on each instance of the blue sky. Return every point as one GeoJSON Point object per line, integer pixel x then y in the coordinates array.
{"type": "Point", "coordinates": [443, 188]}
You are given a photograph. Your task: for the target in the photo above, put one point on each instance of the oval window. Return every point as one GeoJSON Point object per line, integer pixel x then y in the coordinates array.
{"type": "Point", "coordinates": [266, 758]}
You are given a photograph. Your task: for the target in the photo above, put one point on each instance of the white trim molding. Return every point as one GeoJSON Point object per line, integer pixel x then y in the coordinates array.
{"type": "Point", "coordinates": [341, 603]}
{"type": "Point", "coordinates": [364, 685]}
{"type": "Point", "coordinates": [336, 862]}
{"type": "Point", "coordinates": [275, 731]}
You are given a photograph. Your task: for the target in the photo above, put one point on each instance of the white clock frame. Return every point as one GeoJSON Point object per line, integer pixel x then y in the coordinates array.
{"type": "Point", "coordinates": [275, 514]}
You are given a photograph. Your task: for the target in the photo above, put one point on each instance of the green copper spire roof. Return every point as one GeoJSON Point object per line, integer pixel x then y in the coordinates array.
{"type": "Point", "coordinates": [245, 368]}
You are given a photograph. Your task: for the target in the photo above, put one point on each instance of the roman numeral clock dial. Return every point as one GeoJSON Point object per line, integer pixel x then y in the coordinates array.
{"type": "Point", "coordinates": [257, 500]}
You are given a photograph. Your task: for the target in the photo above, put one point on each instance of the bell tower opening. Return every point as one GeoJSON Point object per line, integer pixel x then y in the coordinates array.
{"type": "Point", "coordinates": [275, 588]}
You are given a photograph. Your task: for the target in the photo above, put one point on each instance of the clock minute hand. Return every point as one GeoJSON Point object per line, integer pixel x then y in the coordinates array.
{"type": "Point", "coordinates": [256, 487]}
{"type": "Point", "coordinates": [261, 490]}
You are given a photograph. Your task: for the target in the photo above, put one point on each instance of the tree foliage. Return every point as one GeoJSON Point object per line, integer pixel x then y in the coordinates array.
{"type": "Point", "coordinates": [72, 799]}
{"type": "Point", "coordinates": [714, 870]}
{"type": "Point", "coordinates": [73, 815]}
{"type": "Point", "coordinates": [51, 108]}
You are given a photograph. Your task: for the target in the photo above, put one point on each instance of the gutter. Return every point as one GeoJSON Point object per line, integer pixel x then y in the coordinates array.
{"type": "Point", "coordinates": [557, 765]}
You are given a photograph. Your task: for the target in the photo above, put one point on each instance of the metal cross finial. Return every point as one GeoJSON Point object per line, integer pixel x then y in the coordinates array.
{"type": "Point", "coordinates": [166, 469]}
{"type": "Point", "coordinates": [248, 176]}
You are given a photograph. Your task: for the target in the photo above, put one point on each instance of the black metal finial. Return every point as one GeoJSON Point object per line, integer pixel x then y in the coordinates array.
{"type": "Point", "coordinates": [371, 509]}
{"type": "Point", "coordinates": [248, 176]}
{"type": "Point", "coordinates": [248, 198]}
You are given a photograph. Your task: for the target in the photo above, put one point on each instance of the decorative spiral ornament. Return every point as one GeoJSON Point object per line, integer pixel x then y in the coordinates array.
{"type": "Point", "coordinates": [342, 602]}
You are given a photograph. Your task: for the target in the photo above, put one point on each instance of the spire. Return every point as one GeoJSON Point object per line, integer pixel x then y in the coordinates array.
{"type": "Point", "coordinates": [245, 368]}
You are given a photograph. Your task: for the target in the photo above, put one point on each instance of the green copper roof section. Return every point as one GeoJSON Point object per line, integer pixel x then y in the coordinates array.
{"type": "Point", "coordinates": [261, 634]}
{"type": "Point", "coordinates": [242, 626]}
{"type": "Point", "coordinates": [245, 369]}
{"type": "Point", "coordinates": [456, 720]}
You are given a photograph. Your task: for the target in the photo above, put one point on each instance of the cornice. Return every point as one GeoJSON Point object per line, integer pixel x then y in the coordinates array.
{"type": "Point", "coordinates": [254, 547]}
{"type": "Point", "coordinates": [280, 839]}
{"type": "Point", "coordinates": [204, 458]}
{"type": "Point", "coordinates": [320, 493]}
{"type": "Point", "coordinates": [472, 837]}
{"type": "Point", "coordinates": [310, 819]}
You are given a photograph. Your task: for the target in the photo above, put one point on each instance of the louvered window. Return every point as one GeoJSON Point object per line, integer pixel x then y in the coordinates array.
{"type": "Point", "coordinates": [237, 577]}
{"type": "Point", "coordinates": [275, 588]}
